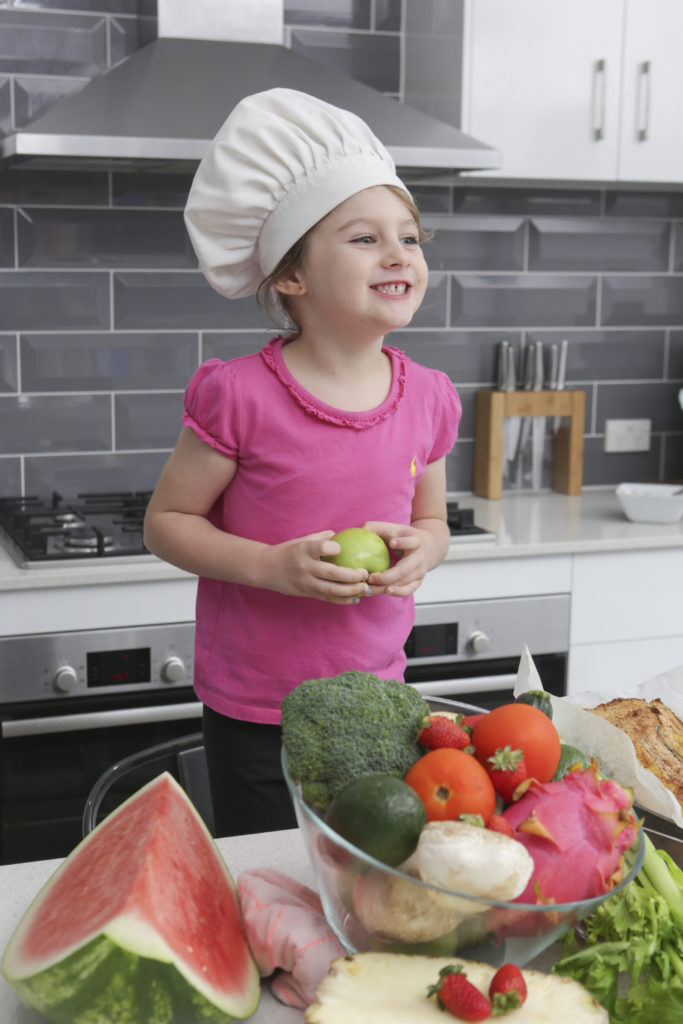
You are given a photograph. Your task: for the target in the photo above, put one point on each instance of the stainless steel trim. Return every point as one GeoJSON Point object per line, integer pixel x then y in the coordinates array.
{"type": "Point", "coordinates": [471, 684]}
{"type": "Point", "coordinates": [13, 728]}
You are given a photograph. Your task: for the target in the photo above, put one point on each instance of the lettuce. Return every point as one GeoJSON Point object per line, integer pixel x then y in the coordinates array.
{"type": "Point", "coordinates": [632, 957]}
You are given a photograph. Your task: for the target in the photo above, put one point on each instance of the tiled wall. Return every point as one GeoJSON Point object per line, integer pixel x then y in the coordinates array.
{"type": "Point", "coordinates": [104, 315]}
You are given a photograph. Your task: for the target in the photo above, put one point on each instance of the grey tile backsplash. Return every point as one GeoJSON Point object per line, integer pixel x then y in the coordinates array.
{"type": "Point", "coordinates": [104, 314]}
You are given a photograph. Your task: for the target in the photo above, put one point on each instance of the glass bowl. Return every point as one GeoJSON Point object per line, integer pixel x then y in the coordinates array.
{"type": "Point", "coordinates": [371, 906]}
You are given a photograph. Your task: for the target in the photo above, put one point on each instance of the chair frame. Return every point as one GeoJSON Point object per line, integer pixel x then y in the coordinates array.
{"type": "Point", "coordinates": [137, 760]}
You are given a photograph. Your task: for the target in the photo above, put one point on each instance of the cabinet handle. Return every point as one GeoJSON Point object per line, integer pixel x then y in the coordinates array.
{"type": "Point", "coordinates": [644, 95]}
{"type": "Point", "coordinates": [599, 98]}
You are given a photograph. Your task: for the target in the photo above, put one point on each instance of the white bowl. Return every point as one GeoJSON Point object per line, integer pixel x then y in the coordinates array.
{"type": "Point", "coordinates": [651, 503]}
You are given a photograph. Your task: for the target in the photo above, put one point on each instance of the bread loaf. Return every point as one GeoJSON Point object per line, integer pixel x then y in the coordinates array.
{"type": "Point", "coordinates": [656, 733]}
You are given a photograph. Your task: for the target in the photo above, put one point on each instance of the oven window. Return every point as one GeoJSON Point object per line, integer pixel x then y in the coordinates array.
{"type": "Point", "coordinates": [45, 781]}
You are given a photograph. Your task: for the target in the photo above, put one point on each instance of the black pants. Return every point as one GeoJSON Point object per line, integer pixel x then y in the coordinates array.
{"type": "Point", "coordinates": [248, 791]}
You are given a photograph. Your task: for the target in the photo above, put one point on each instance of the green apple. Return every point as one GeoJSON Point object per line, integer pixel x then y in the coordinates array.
{"type": "Point", "coordinates": [360, 549]}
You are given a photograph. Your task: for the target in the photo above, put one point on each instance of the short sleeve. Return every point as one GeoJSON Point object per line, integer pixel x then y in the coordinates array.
{"type": "Point", "coordinates": [212, 406]}
{"type": "Point", "coordinates": [447, 415]}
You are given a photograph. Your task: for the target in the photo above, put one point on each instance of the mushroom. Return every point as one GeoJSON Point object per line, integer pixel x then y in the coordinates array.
{"type": "Point", "coordinates": [397, 908]}
{"type": "Point", "coordinates": [464, 858]}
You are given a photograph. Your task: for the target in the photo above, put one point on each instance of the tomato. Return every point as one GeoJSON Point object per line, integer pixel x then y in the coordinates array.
{"type": "Point", "coordinates": [450, 783]}
{"type": "Point", "coordinates": [522, 727]}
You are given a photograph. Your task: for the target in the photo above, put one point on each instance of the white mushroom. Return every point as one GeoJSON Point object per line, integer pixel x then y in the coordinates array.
{"type": "Point", "coordinates": [469, 859]}
{"type": "Point", "coordinates": [397, 909]}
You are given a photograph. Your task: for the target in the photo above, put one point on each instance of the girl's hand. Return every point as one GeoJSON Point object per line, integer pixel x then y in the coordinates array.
{"type": "Point", "coordinates": [295, 567]}
{"type": "Point", "coordinates": [419, 549]}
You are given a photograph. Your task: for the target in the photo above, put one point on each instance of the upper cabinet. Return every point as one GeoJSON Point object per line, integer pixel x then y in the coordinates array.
{"type": "Point", "coordinates": [577, 91]}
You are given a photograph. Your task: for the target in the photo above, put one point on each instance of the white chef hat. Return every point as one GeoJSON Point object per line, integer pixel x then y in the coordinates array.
{"type": "Point", "coordinates": [281, 162]}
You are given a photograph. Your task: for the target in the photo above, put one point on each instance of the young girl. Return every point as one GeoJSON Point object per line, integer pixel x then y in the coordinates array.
{"type": "Point", "coordinates": [324, 429]}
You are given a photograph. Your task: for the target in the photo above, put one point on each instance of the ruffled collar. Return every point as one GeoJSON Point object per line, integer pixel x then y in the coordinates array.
{"type": "Point", "coordinates": [272, 357]}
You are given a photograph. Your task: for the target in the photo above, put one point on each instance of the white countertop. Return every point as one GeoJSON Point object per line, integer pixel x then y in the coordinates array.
{"type": "Point", "coordinates": [525, 525]}
{"type": "Point", "coordinates": [19, 883]}
{"type": "Point", "coordinates": [552, 524]}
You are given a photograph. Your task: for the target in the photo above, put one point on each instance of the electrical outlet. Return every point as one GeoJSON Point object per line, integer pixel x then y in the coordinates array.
{"type": "Point", "coordinates": [627, 435]}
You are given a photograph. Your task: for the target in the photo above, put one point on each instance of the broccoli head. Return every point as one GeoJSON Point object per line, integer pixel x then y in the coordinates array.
{"type": "Point", "coordinates": [334, 730]}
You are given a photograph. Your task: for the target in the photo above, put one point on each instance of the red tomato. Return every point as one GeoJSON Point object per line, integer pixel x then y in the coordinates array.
{"type": "Point", "coordinates": [450, 783]}
{"type": "Point", "coordinates": [522, 727]}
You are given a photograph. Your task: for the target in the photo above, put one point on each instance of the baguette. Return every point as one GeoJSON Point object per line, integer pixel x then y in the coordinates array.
{"type": "Point", "coordinates": [656, 733]}
{"type": "Point", "coordinates": [391, 988]}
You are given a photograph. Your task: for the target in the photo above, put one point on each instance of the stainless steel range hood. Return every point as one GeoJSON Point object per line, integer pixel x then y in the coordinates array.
{"type": "Point", "coordinates": [161, 107]}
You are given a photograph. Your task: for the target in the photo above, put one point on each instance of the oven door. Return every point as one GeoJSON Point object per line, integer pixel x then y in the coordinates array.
{"type": "Point", "coordinates": [49, 762]}
{"type": "Point", "coordinates": [470, 650]}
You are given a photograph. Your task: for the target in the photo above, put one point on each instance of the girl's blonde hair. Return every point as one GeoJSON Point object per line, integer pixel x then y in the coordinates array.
{"type": "Point", "coordinates": [276, 305]}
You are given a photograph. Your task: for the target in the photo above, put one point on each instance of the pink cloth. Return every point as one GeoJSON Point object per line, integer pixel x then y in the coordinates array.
{"type": "Point", "coordinates": [287, 933]}
{"type": "Point", "coordinates": [302, 467]}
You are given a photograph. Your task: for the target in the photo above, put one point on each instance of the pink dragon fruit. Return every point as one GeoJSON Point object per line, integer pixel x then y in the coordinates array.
{"type": "Point", "coordinates": [577, 830]}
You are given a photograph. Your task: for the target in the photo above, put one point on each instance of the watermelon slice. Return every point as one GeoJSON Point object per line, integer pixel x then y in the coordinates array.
{"type": "Point", "coordinates": [141, 923]}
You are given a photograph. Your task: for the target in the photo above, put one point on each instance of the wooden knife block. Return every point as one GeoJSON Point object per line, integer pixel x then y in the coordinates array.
{"type": "Point", "coordinates": [492, 408]}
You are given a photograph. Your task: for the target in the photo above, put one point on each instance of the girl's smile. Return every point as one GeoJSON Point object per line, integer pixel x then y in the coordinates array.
{"type": "Point", "coordinates": [392, 289]}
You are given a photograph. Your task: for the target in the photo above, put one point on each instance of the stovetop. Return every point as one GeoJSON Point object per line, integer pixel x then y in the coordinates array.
{"type": "Point", "coordinates": [89, 528]}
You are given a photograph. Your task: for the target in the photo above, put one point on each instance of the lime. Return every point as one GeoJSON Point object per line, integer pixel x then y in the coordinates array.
{"type": "Point", "coordinates": [381, 815]}
{"type": "Point", "coordinates": [360, 549]}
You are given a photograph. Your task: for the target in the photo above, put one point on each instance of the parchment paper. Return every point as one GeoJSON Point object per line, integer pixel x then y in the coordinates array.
{"type": "Point", "coordinates": [608, 744]}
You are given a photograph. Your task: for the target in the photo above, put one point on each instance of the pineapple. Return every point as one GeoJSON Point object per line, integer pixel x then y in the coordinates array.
{"type": "Point", "coordinates": [372, 988]}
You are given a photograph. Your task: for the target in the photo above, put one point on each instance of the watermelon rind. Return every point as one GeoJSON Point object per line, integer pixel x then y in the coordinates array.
{"type": "Point", "coordinates": [125, 972]}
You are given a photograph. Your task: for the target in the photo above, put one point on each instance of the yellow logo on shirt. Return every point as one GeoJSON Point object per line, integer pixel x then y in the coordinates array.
{"type": "Point", "coordinates": [413, 469]}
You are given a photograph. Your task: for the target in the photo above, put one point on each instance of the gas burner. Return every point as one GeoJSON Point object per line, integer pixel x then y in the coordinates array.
{"type": "Point", "coordinates": [90, 527]}
{"type": "Point", "coordinates": [86, 539]}
{"type": "Point", "coordinates": [67, 520]}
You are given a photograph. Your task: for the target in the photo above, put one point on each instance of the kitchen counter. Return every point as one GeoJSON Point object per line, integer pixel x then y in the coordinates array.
{"type": "Point", "coordinates": [529, 525]}
{"type": "Point", "coordinates": [19, 883]}
{"type": "Point", "coordinates": [526, 525]}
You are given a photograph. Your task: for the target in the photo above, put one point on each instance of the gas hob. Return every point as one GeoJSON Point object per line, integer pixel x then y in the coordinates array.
{"type": "Point", "coordinates": [88, 529]}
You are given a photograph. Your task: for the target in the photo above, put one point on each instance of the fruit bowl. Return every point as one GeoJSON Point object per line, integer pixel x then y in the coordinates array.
{"type": "Point", "coordinates": [371, 906]}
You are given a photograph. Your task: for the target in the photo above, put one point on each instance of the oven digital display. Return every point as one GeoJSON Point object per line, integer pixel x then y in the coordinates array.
{"type": "Point", "coordinates": [432, 641]}
{"type": "Point", "coordinates": [119, 668]}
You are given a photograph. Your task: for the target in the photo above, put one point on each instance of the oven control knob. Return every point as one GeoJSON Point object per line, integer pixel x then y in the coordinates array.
{"type": "Point", "coordinates": [65, 679]}
{"type": "Point", "coordinates": [173, 670]}
{"type": "Point", "coordinates": [478, 642]}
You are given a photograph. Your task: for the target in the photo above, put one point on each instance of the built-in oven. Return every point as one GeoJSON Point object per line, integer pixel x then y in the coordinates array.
{"type": "Point", "coordinates": [470, 650]}
{"type": "Point", "coordinates": [72, 705]}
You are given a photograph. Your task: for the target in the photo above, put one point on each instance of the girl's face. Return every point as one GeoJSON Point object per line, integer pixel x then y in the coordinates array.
{"type": "Point", "coordinates": [363, 267]}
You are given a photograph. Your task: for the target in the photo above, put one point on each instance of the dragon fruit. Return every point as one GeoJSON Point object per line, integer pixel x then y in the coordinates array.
{"type": "Point", "coordinates": [577, 830]}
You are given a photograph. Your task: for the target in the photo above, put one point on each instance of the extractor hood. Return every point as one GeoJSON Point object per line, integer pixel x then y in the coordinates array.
{"type": "Point", "coordinates": [162, 106]}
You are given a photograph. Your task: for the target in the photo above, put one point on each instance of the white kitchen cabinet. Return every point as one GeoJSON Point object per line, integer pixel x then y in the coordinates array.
{"type": "Point", "coordinates": [580, 91]}
{"type": "Point", "coordinates": [626, 619]}
{"type": "Point", "coordinates": [651, 138]}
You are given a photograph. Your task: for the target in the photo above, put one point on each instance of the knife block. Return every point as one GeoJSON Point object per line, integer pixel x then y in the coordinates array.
{"type": "Point", "coordinates": [492, 407]}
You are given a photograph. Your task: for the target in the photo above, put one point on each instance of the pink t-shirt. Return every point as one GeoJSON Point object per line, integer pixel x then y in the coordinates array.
{"type": "Point", "coordinates": [303, 466]}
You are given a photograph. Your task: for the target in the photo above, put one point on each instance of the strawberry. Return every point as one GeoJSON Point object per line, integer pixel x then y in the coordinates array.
{"type": "Point", "coordinates": [507, 769]}
{"type": "Point", "coordinates": [459, 996]}
{"type": "Point", "coordinates": [507, 990]}
{"type": "Point", "coordinates": [469, 721]}
{"type": "Point", "coordinates": [441, 731]}
{"type": "Point", "coordinates": [497, 823]}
